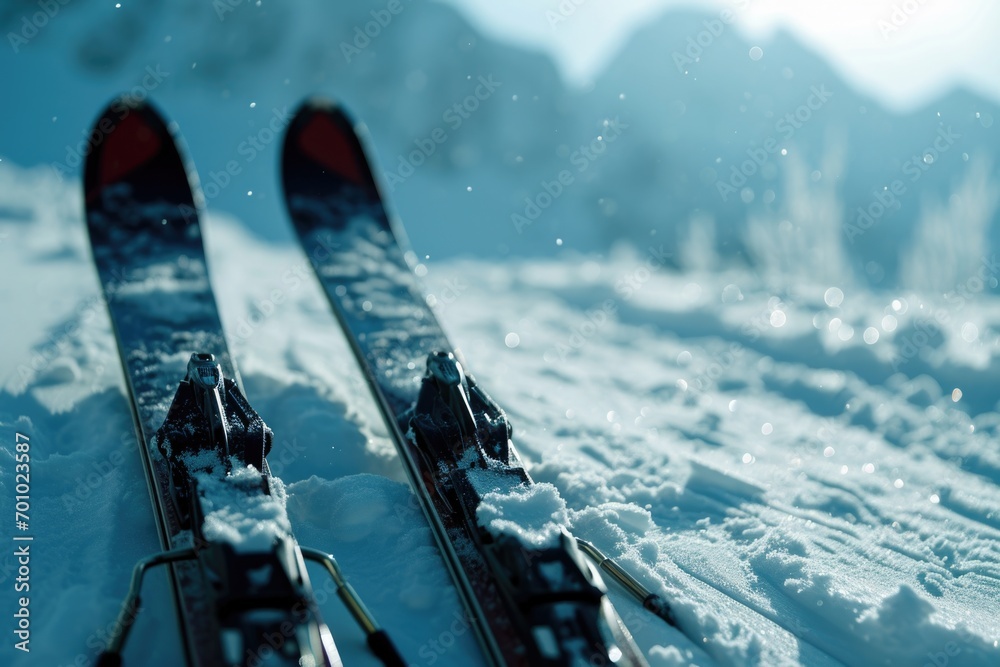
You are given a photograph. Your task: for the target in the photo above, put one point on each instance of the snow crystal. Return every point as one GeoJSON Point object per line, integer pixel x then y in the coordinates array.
{"type": "Point", "coordinates": [237, 512]}
{"type": "Point", "coordinates": [535, 514]}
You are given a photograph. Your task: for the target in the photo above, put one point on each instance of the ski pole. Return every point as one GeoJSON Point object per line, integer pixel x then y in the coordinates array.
{"type": "Point", "coordinates": [648, 600]}
{"type": "Point", "coordinates": [378, 639]}
{"type": "Point", "coordinates": [111, 656]}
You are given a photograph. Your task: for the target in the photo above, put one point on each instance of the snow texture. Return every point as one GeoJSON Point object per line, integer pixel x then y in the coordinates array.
{"type": "Point", "coordinates": [788, 435]}
{"type": "Point", "coordinates": [534, 514]}
{"type": "Point", "coordinates": [796, 498]}
{"type": "Point", "coordinates": [236, 512]}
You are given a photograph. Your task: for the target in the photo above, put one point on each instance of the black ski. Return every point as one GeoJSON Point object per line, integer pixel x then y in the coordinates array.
{"type": "Point", "coordinates": [240, 601]}
{"type": "Point", "coordinates": [528, 605]}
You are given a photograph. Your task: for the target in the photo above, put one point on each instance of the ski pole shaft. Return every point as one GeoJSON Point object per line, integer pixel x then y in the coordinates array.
{"type": "Point", "coordinates": [130, 606]}
{"type": "Point", "coordinates": [378, 640]}
{"type": "Point", "coordinates": [648, 600]}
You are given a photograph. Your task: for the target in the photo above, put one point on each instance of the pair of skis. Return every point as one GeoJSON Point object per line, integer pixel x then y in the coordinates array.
{"type": "Point", "coordinates": [205, 449]}
{"type": "Point", "coordinates": [238, 576]}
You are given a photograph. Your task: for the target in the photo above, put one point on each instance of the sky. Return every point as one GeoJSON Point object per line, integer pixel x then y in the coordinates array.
{"type": "Point", "coordinates": [903, 52]}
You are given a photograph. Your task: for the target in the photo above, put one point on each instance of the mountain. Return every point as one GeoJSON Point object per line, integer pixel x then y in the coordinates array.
{"type": "Point", "coordinates": [713, 128]}
{"type": "Point", "coordinates": [473, 135]}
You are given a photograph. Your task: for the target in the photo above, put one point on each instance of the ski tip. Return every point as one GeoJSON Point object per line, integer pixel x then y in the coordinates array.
{"type": "Point", "coordinates": [322, 143]}
{"type": "Point", "coordinates": [129, 141]}
{"type": "Point", "coordinates": [323, 106]}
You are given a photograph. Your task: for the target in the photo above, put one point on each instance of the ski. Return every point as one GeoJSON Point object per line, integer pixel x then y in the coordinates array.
{"type": "Point", "coordinates": [528, 605]}
{"type": "Point", "coordinates": [238, 576]}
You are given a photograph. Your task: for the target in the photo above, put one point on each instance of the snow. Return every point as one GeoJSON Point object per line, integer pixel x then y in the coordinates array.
{"type": "Point", "coordinates": [861, 526]}
{"type": "Point", "coordinates": [534, 514]}
{"type": "Point", "coordinates": [793, 443]}
{"type": "Point", "coordinates": [236, 513]}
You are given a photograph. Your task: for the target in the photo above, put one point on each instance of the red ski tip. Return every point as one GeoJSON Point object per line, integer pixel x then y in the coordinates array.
{"type": "Point", "coordinates": [130, 144]}
{"type": "Point", "coordinates": [327, 144]}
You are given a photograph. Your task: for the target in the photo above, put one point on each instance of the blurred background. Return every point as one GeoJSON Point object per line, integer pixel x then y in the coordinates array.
{"type": "Point", "coordinates": [842, 141]}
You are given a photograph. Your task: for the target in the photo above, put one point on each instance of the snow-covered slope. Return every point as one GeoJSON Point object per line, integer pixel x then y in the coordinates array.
{"type": "Point", "coordinates": [778, 463]}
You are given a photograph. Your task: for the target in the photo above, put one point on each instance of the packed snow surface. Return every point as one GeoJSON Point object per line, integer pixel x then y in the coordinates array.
{"type": "Point", "coordinates": [777, 464]}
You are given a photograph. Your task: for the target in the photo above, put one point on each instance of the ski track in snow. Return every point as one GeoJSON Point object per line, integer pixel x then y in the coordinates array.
{"type": "Point", "coordinates": [797, 498]}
